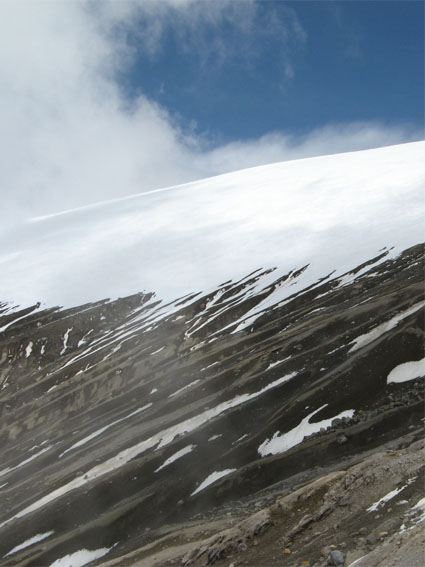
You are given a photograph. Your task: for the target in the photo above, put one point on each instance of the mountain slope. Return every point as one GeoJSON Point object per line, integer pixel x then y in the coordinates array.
{"type": "Point", "coordinates": [137, 428]}
{"type": "Point", "coordinates": [330, 213]}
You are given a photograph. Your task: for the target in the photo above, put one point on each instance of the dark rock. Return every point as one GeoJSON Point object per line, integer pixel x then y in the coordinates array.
{"type": "Point", "coordinates": [242, 547]}
{"type": "Point", "coordinates": [105, 393]}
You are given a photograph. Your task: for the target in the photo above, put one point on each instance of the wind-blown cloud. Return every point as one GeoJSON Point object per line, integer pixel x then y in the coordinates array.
{"type": "Point", "coordinates": [215, 31]}
{"type": "Point", "coordinates": [69, 135]}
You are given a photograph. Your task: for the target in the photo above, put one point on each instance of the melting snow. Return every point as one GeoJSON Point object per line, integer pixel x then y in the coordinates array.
{"type": "Point", "coordinates": [176, 456]}
{"type": "Point", "coordinates": [336, 349]}
{"type": "Point", "coordinates": [385, 499]}
{"type": "Point", "coordinates": [102, 430]}
{"type": "Point", "coordinates": [419, 506]}
{"type": "Point", "coordinates": [28, 350]}
{"type": "Point", "coordinates": [177, 392]}
{"type": "Point", "coordinates": [28, 542]}
{"type": "Point", "coordinates": [5, 327]}
{"type": "Point", "coordinates": [407, 371]}
{"type": "Point", "coordinates": [213, 477]}
{"type": "Point", "coordinates": [210, 366]}
{"type": "Point", "coordinates": [281, 443]}
{"type": "Point", "coordinates": [158, 440]}
{"type": "Point", "coordinates": [273, 364]}
{"type": "Point", "coordinates": [214, 437]}
{"type": "Point", "coordinates": [81, 557]}
{"type": "Point", "coordinates": [357, 561]}
{"type": "Point", "coordinates": [83, 340]}
{"type": "Point", "coordinates": [65, 341]}
{"type": "Point", "coordinates": [350, 276]}
{"type": "Point", "coordinates": [115, 349]}
{"type": "Point", "coordinates": [240, 439]}
{"type": "Point", "coordinates": [8, 470]}
{"type": "Point", "coordinates": [375, 333]}
{"type": "Point", "coordinates": [156, 351]}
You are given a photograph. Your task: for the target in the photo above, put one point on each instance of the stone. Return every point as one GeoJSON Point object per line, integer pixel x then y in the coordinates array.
{"type": "Point", "coordinates": [336, 558]}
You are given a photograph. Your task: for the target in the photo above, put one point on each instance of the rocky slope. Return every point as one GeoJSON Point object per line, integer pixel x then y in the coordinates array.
{"type": "Point", "coordinates": [225, 427]}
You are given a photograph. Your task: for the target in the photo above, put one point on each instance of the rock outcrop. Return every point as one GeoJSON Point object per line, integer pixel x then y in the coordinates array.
{"type": "Point", "coordinates": [206, 431]}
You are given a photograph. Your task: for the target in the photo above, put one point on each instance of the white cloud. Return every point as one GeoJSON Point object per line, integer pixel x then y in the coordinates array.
{"type": "Point", "coordinates": [331, 139]}
{"type": "Point", "coordinates": [70, 137]}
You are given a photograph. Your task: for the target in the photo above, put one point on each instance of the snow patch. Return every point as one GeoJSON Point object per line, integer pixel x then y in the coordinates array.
{"type": "Point", "coordinates": [357, 561]}
{"type": "Point", "coordinates": [65, 341]}
{"type": "Point", "coordinates": [273, 364]}
{"type": "Point", "coordinates": [350, 276]}
{"type": "Point", "coordinates": [351, 196]}
{"type": "Point", "coordinates": [176, 456]}
{"type": "Point", "coordinates": [210, 366]}
{"type": "Point", "coordinates": [213, 477]}
{"type": "Point", "coordinates": [28, 542]}
{"type": "Point", "coordinates": [156, 351]}
{"type": "Point", "coordinates": [214, 437]}
{"type": "Point", "coordinates": [28, 349]}
{"type": "Point", "coordinates": [158, 440]}
{"type": "Point", "coordinates": [81, 557]}
{"type": "Point", "coordinates": [281, 443]}
{"type": "Point", "coordinates": [102, 430]}
{"type": "Point", "coordinates": [240, 439]}
{"type": "Point", "coordinates": [83, 339]}
{"type": "Point", "coordinates": [420, 505]}
{"type": "Point", "coordinates": [375, 333]}
{"type": "Point", "coordinates": [177, 392]}
{"type": "Point", "coordinates": [23, 463]}
{"type": "Point", "coordinates": [385, 499]}
{"type": "Point", "coordinates": [407, 371]}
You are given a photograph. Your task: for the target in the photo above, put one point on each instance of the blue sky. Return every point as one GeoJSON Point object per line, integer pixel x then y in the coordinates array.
{"type": "Point", "coordinates": [349, 61]}
{"type": "Point", "coordinates": [102, 99]}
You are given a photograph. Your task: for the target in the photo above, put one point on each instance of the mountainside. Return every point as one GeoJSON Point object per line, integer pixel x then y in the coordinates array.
{"type": "Point", "coordinates": [260, 403]}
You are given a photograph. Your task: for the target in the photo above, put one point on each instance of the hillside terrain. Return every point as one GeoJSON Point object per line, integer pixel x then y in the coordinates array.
{"type": "Point", "coordinates": [274, 418]}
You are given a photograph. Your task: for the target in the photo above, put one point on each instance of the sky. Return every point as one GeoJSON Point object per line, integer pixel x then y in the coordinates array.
{"type": "Point", "coordinates": [106, 99]}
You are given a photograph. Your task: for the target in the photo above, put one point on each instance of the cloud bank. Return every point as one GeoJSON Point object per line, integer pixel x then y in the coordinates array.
{"type": "Point", "coordinates": [71, 137]}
